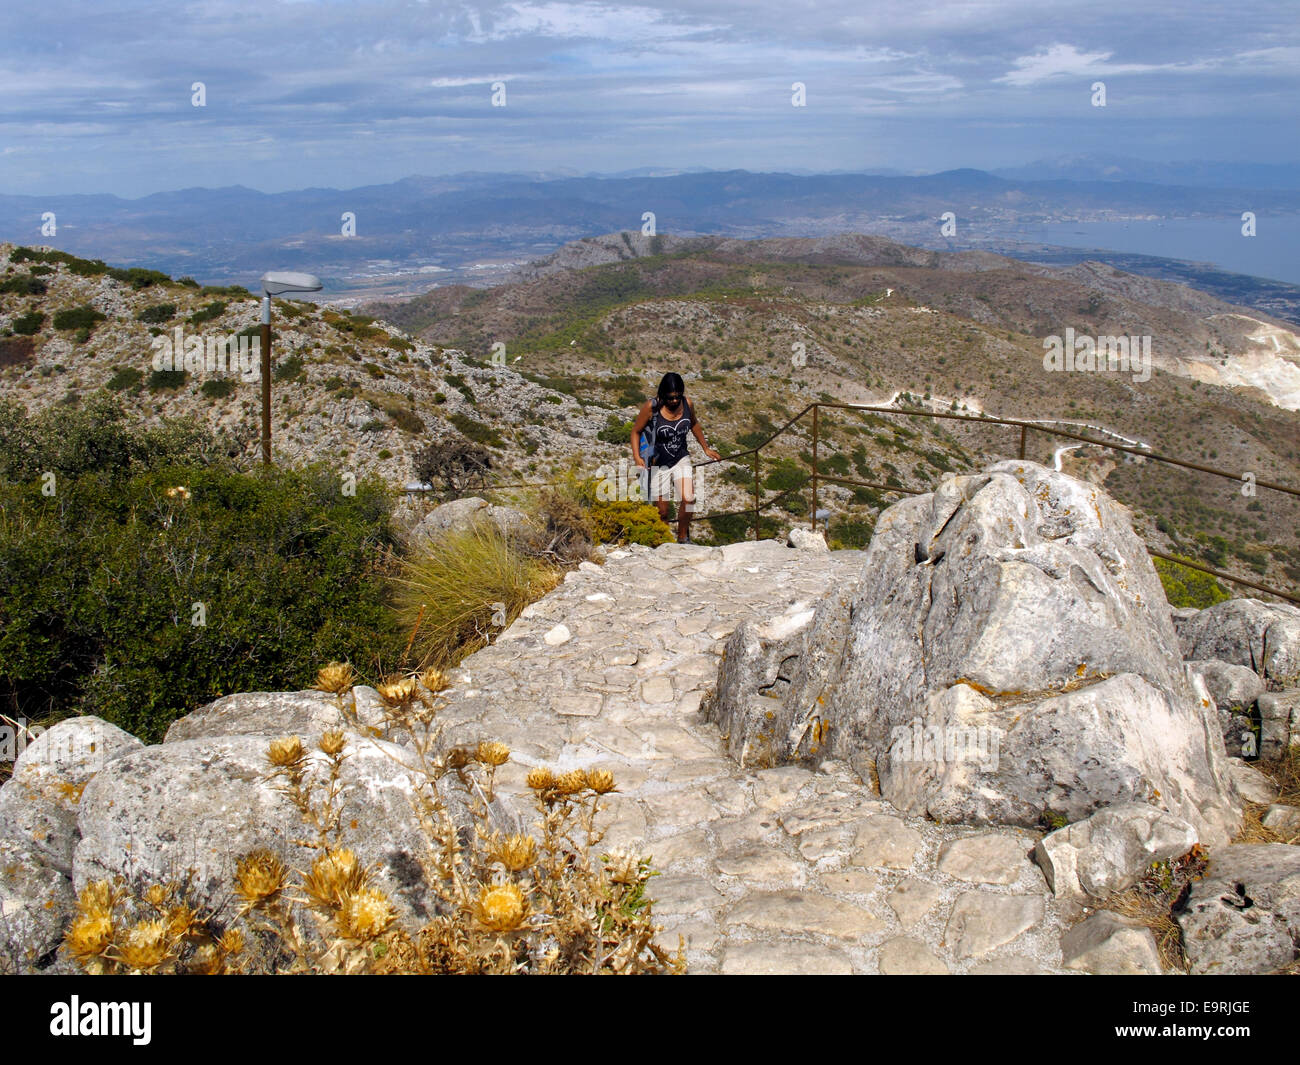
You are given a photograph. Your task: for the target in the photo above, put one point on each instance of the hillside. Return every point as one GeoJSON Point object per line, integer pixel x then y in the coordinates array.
{"type": "Point", "coordinates": [588, 333]}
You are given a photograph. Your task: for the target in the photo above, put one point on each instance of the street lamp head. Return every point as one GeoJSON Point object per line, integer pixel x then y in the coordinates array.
{"type": "Point", "coordinates": [278, 281]}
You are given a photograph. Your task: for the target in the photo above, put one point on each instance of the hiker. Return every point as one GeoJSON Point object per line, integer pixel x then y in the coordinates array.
{"type": "Point", "coordinates": [659, 446]}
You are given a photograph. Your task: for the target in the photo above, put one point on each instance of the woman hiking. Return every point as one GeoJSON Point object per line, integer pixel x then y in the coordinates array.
{"type": "Point", "coordinates": [667, 420]}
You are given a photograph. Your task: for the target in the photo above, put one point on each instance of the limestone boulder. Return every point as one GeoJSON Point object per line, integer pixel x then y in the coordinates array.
{"type": "Point", "coordinates": [39, 804]}
{"type": "Point", "coordinates": [461, 515]}
{"type": "Point", "coordinates": [193, 807]}
{"type": "Point", "coordinates": [1111, 850]}
{"type": "Point", "coordinates": [302, 713]}
{"type": "Point", "coordinates": [1243, 916]}
{"type": "Point", "coordinates": [1007, 650]}
{"type": "Point", "coordinates": [1264, 637]}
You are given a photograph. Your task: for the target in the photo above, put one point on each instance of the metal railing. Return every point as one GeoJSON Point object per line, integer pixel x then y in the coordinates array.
{"type": "Point", "coordinates": [817, 477]}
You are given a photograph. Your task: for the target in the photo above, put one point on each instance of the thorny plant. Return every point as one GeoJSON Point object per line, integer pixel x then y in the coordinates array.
{"type": "Point", "coordinates": [505, 902]}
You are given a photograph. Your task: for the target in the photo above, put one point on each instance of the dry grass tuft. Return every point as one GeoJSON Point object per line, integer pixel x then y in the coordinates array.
{"type": "Point", "coordinates": [464, 589]}
{"type": "Point", "coordinates": [1153, 899]}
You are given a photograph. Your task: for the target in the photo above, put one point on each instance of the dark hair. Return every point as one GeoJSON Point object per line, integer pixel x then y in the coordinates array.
{"type": "Point", "coordinates": [672, 382]}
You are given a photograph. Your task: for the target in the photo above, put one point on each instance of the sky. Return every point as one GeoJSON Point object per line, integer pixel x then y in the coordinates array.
{"type": "Point", "coordinates": [100, 97]}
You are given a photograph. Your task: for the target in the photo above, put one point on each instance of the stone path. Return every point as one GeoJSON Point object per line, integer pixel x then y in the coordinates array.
{"type": "Point", "coordinates": [775, 870]}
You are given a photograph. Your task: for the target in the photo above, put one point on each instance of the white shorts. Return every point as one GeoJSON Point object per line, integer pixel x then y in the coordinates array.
{"type": "Point", "coordinates": [671, 481]}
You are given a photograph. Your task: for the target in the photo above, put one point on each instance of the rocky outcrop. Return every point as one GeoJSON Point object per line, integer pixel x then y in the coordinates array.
{"type": "Point", "coordinates": [38, 832]}
{"type": "Point", "coordinates": [460, 515]}
{"type": "Point", "coordinates": [1111, 850]}
{"type": "Point", "coordinates": [1007, 650]}
{"type": "Point", "coordinates": [1244, 915]}
{"type": "Point", "coordinates": [1264, 637]}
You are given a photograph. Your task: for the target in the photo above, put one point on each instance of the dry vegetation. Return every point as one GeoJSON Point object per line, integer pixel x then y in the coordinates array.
{"type": "Point", "coordinates": [506, 903]}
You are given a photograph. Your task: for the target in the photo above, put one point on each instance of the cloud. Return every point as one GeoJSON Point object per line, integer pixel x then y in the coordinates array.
{"type": "Point", "coordinates": [1064, 60]}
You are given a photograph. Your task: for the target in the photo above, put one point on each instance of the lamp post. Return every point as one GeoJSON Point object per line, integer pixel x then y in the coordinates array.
{"type": "Point", "coordinates": [276, 283]}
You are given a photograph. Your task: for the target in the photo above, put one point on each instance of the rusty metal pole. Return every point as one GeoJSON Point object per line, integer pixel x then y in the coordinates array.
{"type": "Point", "coordinates": [1024, 432]}
{"type": "Point", "coordinates": [816, 408]}
{"type": "Point", "coordinates": [266, 380]}
{"type": "Point", "coordinates": [755, 495]}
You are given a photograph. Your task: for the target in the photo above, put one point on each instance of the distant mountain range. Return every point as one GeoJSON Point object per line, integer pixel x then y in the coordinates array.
{"type": "Point", "coordinates": [476, 227]}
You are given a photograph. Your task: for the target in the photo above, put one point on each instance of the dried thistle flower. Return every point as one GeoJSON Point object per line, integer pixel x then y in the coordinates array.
{"type": "Point", "coordinates": [540, 779]}
{"type": "Point", "coordinates": [491, 753]}
{"type": "Point", "coordinates": [367, 914]}
{"type": "Point", "coordinates": [97, 899]}
{"type": "Point", "coordinates": [434, 679]}
{"type": "Point", "coordinates": [285, 752]}
{"type": "Point", "coordinates": [181, 920]}
{"type": "Point", "coordinates": [333, 876]}
{"type": "Point", "coordinates": [601, 781]}
{"type": "Point", "coordinates": [501, 907]}
{"type": "Point", "coordinates": [399, 692]}
{"type": "Point", "coordinates": [156, 896]}
{"type": "Point", "coordinates": [458, 758]}
{"type": "Point", "coordinates": [90, 934]}
{"type": "Point", "coordinates": [572, 782]}
{"type": "Point", "coordinates": [333, 742]}
{"type": "Point", "coordinates": [337, 677]}
{"type": "Point", "coordinates": [231, 942]}
{"type": "Point", "coordinates": [259, 877]}
{"type": "Point", "coordinates": [146, 945]}
{"type": "Point", "coordinates": [514, 852]}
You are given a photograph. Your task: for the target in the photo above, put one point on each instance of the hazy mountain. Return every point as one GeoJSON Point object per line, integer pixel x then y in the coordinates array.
{"type": "Point", "coordinates": [1246, 174]}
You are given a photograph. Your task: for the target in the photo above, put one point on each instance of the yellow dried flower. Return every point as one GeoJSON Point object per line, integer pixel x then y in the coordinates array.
{"type": "Point", "coordinates": [333, 742]}
{"type": "Point", "coordinates": [286, 751]}
{"type": "Point", "coordinates": [97, 899]}
{"type": "Point", "coordinates": [89, 935]}
{"type": "Point", "coordinates": [337, 677]}
{"type": "Point", "coordinates": [231, 942]}
{"type": "Point", "coordinates": [146, 945]}
{"type": "Point", "coordinates": [572, 782]}
{"type": "Point", "coordinates": [540, 779]}
{"type": "Point", "coordinates": [515, 852]}
{"type": "Point", "coordinates": [399, 692]}
{"type": "Point", "coordinates": [501, 907]}
{"type": "Point", "coordinates": [333, 876]}
{"type": "Point", "coordinates": [601, 781]}
{"type": "Point", "coordinates": [491, 753]}
{"type": "Point", "coordinates": [259, 877]}
{"type": "Point", "coordinates": [434, 679]}
{"type": "Point", "coordinates": [367, 914]}
{"type": "Point", "coordinates": [181, 921]}
{"type": "Point", "coordinates": [156, 895]}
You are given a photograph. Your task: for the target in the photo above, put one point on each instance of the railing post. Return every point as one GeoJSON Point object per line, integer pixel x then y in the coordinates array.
{"type": "Point", "coordinates": [756, 495]}
{"type": "Point", "coordinates": [816, 408]}
{"type": "Point", "coordinates": [1024, 432]}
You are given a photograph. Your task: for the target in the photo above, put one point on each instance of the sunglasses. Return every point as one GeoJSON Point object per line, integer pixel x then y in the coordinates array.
{"type": "Point", "coordinates": [673, 400]}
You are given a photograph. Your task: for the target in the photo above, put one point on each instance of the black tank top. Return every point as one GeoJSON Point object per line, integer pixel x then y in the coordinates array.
{"type": "Point", "coordinates": [669, 436]}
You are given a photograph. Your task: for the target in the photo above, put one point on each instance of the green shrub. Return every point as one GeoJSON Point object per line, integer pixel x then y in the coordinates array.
{"type": "Point", "coordinates": [213, 310]}
{"type": "Point", "coordinates": [157, 314]}
{"type": "Point", "coordinates": [289, 369]}
{"type": "Point", "coordinates": [138, 277]}
{"type": "Point", "coordinates": [165, 380]}
{"type": "Point", "coordinates": [102, 579]}
{"type": "Point", "coordinates": [476, 431]}
{"type": "Point", "coordinates": [23, 285]}
{"type": "Point", "coordinates": [616, 431]}
{"type": "Point", "coordinates": [407, 420]}
{"type": "Point", "coordinates": [217, 388]}
{"type": "Point", "coordinates": [629, 522]}
{"type": "Point", "coordinates": [852, 532]}
{"type": "Point", "coordinates": [1186, 587]}
{"type": "Point", "coordinates": [29, 324]}
{"type": "Point", "coordinates": [124, 377]}
{"type": "Point", "coordinates": [84, 317]}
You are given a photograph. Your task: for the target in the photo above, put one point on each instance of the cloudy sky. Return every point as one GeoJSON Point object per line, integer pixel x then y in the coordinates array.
{"type": "Point", "coordinates": [98, 97]}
